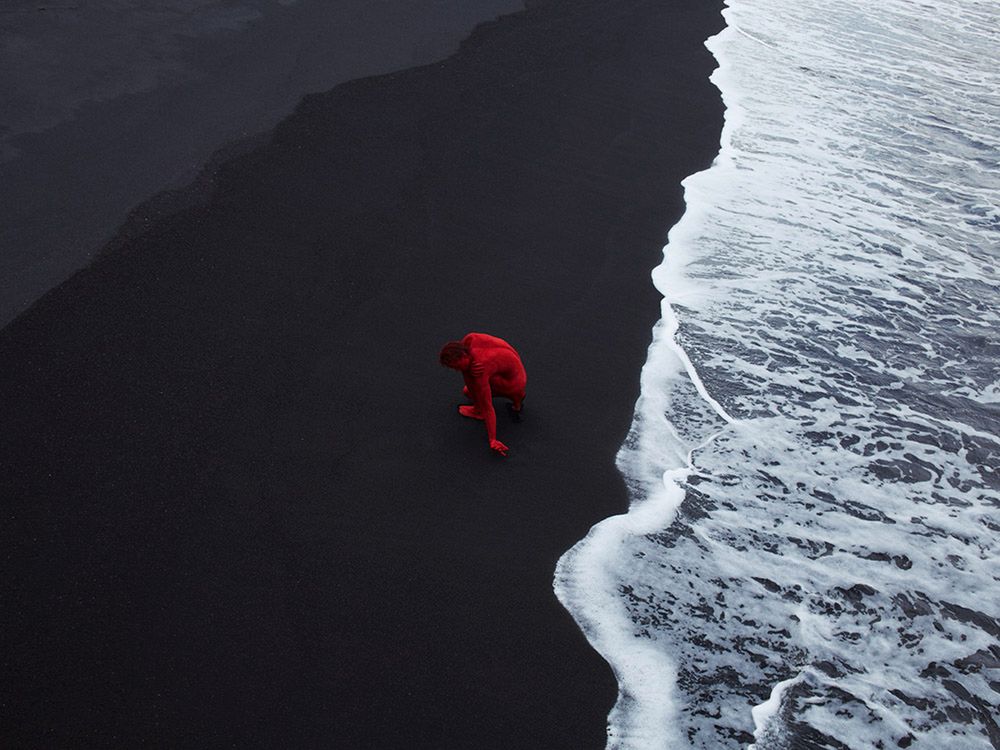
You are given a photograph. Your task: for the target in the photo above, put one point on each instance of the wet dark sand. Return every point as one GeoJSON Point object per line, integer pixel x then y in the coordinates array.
{"type": "Point", "coordinates": [105, 104]}
{"type": "Point", "coordinates": [239, 506]}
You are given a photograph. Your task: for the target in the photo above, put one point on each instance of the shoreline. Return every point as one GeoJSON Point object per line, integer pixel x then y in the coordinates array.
{"type": "Point", "coordinates": [245, 508]}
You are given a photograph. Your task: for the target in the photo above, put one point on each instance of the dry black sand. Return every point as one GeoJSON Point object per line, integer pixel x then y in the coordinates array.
{"type": "Point", "coordinates": [239, 507]}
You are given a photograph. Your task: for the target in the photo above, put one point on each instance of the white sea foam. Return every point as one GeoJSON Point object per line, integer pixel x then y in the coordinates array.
{"type": "Point", "coordinates": [764, 728]}
{"type": "Point", "coordinates": [810, 552]}
{"type": "Point", "coordinates": [586, 579]}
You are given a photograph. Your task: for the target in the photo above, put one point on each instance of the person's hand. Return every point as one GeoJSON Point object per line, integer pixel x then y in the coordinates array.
{"type": "Point", "coordinates": [498, 447]}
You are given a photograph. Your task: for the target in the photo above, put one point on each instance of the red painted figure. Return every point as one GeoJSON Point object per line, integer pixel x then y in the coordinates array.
{"type": "Point", "coordinates": [490, 367]}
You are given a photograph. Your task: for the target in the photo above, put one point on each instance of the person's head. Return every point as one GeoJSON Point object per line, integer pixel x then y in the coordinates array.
{"type": "Point", "coordinates": [455, 355]}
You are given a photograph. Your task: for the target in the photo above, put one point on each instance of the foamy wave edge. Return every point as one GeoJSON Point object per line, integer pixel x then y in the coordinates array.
{"type": "Point", "coordinates": [654, 461]}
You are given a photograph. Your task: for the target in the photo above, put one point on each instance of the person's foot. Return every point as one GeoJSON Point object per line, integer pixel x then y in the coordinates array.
{"type": "Point", "coordinates": [470, 412]}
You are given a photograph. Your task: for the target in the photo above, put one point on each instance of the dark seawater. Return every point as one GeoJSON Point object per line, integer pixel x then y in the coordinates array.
{"type": "Point", "coordinates": [810, 558]}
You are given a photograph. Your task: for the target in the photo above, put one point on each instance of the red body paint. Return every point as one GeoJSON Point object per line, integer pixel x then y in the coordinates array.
{"type": "Point", "coordinates": [490, 367]}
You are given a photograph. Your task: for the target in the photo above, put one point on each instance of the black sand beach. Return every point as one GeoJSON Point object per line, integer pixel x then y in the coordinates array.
{"type": "Point", "coordinates": [240, 508]}
{"type": "Point", "coordinates": [105, 104]}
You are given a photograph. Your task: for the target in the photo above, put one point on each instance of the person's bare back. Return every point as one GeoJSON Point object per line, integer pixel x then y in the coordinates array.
{"type": "Point", "coordinates": [490, 367]}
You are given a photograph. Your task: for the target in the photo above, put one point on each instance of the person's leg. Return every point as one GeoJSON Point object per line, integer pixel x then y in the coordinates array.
{"type": "Point", "coordinates": [518, 399]}
{"type": "Point", "coordinates": [509, 389]}
{"type": "Point", "coordinates": [470, 411]}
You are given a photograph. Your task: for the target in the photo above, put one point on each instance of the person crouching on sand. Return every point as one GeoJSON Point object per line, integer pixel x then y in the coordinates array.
{"type": "Point", "coordinates": [490, 367]}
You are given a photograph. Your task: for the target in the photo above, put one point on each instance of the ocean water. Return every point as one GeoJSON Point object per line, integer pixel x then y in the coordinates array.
{"type": "Point", "coordinates": [810, 557]}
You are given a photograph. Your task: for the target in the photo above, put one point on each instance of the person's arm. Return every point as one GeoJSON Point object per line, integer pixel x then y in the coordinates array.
{"type": "Point", "coordinates": [483, 398]}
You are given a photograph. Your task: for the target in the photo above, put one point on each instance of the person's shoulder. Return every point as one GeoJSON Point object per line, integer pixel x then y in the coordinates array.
{"type": "Point", "coordinates": [485, 341]}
